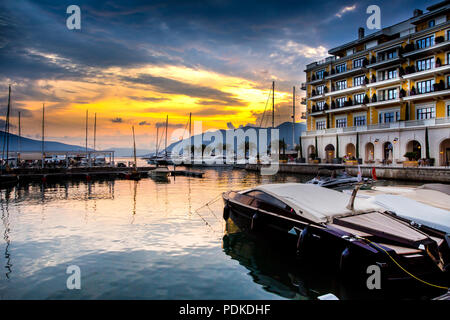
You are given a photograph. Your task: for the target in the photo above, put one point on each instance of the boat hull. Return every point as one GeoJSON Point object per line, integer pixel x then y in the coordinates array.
{"type": "Point", "coordinates": [326, 245]}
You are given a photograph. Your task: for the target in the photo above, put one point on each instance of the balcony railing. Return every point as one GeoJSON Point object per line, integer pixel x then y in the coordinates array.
{"type": "Point", "coordinates": [382, 126]}
{"type": "Point", "coordinates": [439, 44]}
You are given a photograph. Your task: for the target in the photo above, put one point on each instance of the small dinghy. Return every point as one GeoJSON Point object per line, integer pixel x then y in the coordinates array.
{"type": "Point", "coordinates": [353, 232]}
{"type": "Point", "coordinates": [160, 172]}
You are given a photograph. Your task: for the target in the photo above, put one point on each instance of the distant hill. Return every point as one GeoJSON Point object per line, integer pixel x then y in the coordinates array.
{"type": "Point", "coordinates": [285, 133]}
{"type": "Point", "coordinates": [27, 144]}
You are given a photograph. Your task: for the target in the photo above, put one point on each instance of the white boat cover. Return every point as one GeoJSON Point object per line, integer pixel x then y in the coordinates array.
{"type": "Point", "coordinates": [433, 217]}
{"type": "Point", "coordinates": [316, 203]}
{"type": "Point", "coordinates": [431, 197]}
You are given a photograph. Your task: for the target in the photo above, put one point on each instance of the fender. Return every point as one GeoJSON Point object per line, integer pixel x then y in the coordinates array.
{"type": "Point", "coordinates": [226, 212]}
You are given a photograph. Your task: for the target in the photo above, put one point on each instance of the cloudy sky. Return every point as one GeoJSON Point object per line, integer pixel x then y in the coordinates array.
{"type": "Point", "coordinates": [134, 62]}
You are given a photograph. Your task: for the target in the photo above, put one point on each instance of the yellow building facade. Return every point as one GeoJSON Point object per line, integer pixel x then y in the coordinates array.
{"type": "Point", "coordinates": [385, 97]}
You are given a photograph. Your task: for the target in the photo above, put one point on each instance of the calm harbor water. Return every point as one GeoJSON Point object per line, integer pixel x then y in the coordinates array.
{"type": "Point", "coordinates": [145, 240]}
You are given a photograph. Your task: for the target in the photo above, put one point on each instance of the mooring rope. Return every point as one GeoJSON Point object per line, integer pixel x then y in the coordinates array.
{"type": "Point", "coordinates": [207, 205]}
{"type": "Point", "coordinates": [402, 268]}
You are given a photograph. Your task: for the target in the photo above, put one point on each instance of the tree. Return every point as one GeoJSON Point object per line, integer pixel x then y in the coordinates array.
{"type": "Point", "coordinates": [357, 145]}
{"type": "Point", "coordinates": [427, 144]}
{"type": "Point", "coordinates": [315, 149]}
{"type": "Point", "coordinates": [300, 146]}
{"type": "Point", "coordinates": [337, 146]}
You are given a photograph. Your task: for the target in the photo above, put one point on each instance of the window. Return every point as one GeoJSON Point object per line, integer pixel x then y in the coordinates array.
{"type": "Point", "coordinates": [425, 64]}
{"type": "Point", "coordinates": [359, 121]}
{"type": "Point", "coordinates": [425, 113]}
{"type": "Point", "coordinates": [391, 54]}
{"type": "Point", "coordinates": [320, 74]}
{"type": "Point", "coordinates": [387, 74]}
{"type": "Point", "coordinates": [341, 85]}
{"type": "Point", "coordinates": [388, 116]}
{"type": "Point", "coordinates": [264, 197]}
{"type": "Point", "coordinates": [319, 90]}
{"type": "Point", "coordinates": [341, 68]}
{"type": "Point", "coordinates": [321, 125]}
{"type": "Point", "coordinates": [340, 102]}
{"type": "Point", "coordinates": [425, 86]}
{"type": "Point", "coordinates": [358, 63]}
{"type": "Point", "coordinates": [425, 42]}
{"type": "Point", "coordinates": [431, 23]}
{"type": "Point", "coordinates": [359, 98]}
{"type": "Point", "coordinates": [358, 81]}
{"type": "Point", "coordinates": [341, 123]}
{"type": "Point", "coordinates": [448, 110]}
{"type": "Point", "coordinates": [320, 105]}
{"type": "Point", "coordinates": [388, 94]}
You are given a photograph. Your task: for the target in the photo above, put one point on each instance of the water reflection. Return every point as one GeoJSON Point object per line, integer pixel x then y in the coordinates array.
{"type": "Point", "coordinates": [147, 239]}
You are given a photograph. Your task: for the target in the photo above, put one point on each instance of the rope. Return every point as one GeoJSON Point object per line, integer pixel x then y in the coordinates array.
{"type": "Point", "coordinates": [207, 205]}
{"type": "Point", "coordinates": [262, 118]}
{"type": "Point", "coordinates": [398, 265]}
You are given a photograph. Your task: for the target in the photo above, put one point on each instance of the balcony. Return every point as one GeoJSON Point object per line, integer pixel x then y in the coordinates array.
{"type": "Point", "coordinates": [382, 83]}
{"type": "Point", "coordinates": [317, 97]}
{"type": "Point", "coordinates": [435, 94]}
{"type": "Point", "coordinates": [381, 63]}
{"type": "Point", "coordinates": [383, 126]}
{"type": "Point", "coordinates": [348, 73]}
{"type": "Point", "coordinates": [412, 51]}
{"type": "Point", "coordinates": [303, 86]}
{"type": "Point", "coordinates": [412, 74]}
{"type": "Point", "coordinates": [315, 111]}
{"type": "Point", "coordinates": [384, 102]}
{"type": "Point", "coordinates": [321, 62]}
{"type": "Point", "coordinates": [347, 108]}
{"type": "Point", "coordinates": [345, 91]}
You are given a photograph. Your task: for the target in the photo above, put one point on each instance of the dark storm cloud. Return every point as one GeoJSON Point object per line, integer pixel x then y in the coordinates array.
{"type": "Point", "coordinates": [148, 99]}
{"type": "Point", "coordinates": [170, 86]}
{"type": "Point", "coordinates": [241, 38]}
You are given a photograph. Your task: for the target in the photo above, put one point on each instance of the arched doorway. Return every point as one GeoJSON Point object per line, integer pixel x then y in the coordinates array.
{"type": "Point", "coordinates": [444, 153]}
{"type": "Point", "coordinates": [370, 152]}
{"type": "Point", "coordinates": [414, 146]}
{"type": "Point", "coordinates": [311, 151]}
{"type": "Point", "coordinates": [388, 152]}
{"type": "Point", "coordinates": [329, 153]}
{"type": "Point", "coordinates": [350, 151]}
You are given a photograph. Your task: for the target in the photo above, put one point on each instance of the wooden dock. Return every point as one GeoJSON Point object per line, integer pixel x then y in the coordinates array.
{"type": "Point", "coordinates": [96, 173]}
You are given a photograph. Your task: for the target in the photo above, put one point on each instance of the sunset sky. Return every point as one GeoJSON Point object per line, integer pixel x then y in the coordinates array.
{"type": "Point", "coordinates": [133, 62]}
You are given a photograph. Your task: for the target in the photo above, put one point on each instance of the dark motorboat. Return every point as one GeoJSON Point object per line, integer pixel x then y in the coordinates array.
{"type": "Point", "coordinates": [350, 232]}
{"type": "Point", "coordinates": [336, 177]}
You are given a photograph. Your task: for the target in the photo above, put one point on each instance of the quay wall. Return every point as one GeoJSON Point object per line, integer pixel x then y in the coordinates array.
{"type": "Point", "coordinates": [423, 174]}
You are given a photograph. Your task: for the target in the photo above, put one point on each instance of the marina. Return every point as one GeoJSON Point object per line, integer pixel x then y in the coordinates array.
{"type": "Point", "coordinates": [225, 151]}
{"type": "Point", "coordinates": [171, 239]}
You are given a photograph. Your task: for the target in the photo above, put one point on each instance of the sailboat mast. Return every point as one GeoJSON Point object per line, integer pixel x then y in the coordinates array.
{"type": "Point", "coordinates": [273, 104]}
{"type": "Point", "coordinates": [157, 141]}
{"type": "Point", "coordinates": [86, 132]}
{"type": "Point", "coordinates": [165, 145]}
{"type": "Point", "coordinates": [6, 133]}
{"type": "Point", "coordinates": [293, 117]}
{"type": "Point", "coordinates": [43, 135]}
{"type": "Point", "coordinates": [18, 141]}
{"type": "Point", "coordinates": [134, 148]}
{"type": "Point", "coordinates": [190, 133]}
{"type": "Point", "coordinates": [95, 129]}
